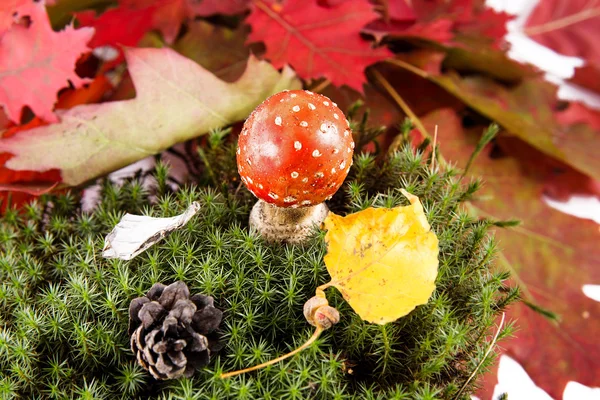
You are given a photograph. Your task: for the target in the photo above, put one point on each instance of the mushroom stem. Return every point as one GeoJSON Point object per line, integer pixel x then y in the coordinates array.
{"type": "Point", "coordinates": [286, 224]}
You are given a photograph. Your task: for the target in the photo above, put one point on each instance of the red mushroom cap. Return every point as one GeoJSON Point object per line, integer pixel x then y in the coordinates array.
{"type": "Point", "coordinates": [295, 149]}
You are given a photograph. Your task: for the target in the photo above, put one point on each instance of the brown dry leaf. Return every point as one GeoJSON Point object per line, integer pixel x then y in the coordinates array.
{"type": "Point", "coordinates": [383, 261]}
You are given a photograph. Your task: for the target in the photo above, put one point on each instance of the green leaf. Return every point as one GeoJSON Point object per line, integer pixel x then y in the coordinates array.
{"type": "Point", "coordinates": [176, 100]}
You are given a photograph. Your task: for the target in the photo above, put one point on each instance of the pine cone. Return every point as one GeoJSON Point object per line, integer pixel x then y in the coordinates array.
{"type": "Point", "coordinates": [171, 332]}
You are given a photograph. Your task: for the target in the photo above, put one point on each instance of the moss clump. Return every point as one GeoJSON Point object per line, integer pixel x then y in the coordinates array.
{"type": "Point", "coordinates": [63, 308]}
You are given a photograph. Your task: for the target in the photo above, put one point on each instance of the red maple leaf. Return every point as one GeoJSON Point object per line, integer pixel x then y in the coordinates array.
{"type": "Point", "coordinates": [439, 20]}
{"type": "Point", "coordinates": [38, 62]}
{"type": "Point", "coordinates": [10, 11]}
{"type": "Point", "coordinates": [317, 41]}
{"type": "Point", "coordinates": [587, 76]}
{"type": "Point", "coordinates": [127, 23]}
{"type": "Point", "coordinates": [570, 28]}
{"type": "Point", "coordinates": [550, 255]}
{"type": "Point", "coordinates": [118, 26]}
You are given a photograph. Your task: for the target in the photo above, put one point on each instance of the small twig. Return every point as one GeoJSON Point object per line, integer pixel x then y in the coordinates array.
{"type": "Point", "coordinates": [321, 86]}
{"type": "Point", "coordinates": [409, 67]}
{"type": "Point", "coordinates": [487, 353]}
{"type": "Point", "coordinates": [403, 105]}
{"type": "Point", "coordinates": [435, 133]}
{"type": "Point", "coordinates": [310, 341]}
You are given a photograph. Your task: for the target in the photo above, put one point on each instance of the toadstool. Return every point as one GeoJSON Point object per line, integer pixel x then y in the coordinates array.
{"type": "Point", "coordinates": [294, 152]}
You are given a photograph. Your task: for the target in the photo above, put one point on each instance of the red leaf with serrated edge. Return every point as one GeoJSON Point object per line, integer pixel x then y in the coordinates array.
{"type": "Point", "coordinates": [550, 256]}
{"type": "Point", "coordinates": [10, 11]}
{"type": "Point", "coordinates": [439, 20]}
{"type": "Point", "coordinates": [317, 41]}
{"type": "Point", "coordinates": [567, 27]}
{"type": "Point", "coordinates": [37, 62]}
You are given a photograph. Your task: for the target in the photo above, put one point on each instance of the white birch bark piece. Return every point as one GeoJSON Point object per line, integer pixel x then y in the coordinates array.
{"type": "Point", "coordinates": [136, 233]}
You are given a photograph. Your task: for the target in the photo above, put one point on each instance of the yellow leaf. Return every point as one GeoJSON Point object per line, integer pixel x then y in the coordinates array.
{"type": "Point", "coordinates": [384, 261]}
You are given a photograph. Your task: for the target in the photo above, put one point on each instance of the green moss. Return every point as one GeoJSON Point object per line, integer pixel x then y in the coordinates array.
{"type": "Point", "coordinates": [63, 308]}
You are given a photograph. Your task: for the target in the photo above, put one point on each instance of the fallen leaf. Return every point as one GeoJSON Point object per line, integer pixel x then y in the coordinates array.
{"type": "Point", "coordinates": [207, 8]}
{"type": "Point", "coordinates": [527, 109]}
{"type": "Point", "coordinates": [22, 186]}
{"type": "Point", "coordinates": [550, 255]}
{"type": "Point", "coordinates": [587, 76]}
{"type": "Point", "coordinates": [117, 27]}
{"type": "Point", "coordinates": [317, 41]}
{"type": "Point", "coordinates": [176, 100]}
{"type": "Point", "coordinates": [220, 50]}
{"type": "Point", "coordinates": [383, 261]}
{"type": "Point", "coordinates": [10, 11]}
{"type": "Point", "coordinates": [168, 15]}
{"type": "Point", "coordinates": [569, 28]}
{"type": "Point", "coordinates": [42, 58]}
{"type": "Point", "coordinates": [442, 21]}
{"type": "Point", "coordinates": [31, 188]}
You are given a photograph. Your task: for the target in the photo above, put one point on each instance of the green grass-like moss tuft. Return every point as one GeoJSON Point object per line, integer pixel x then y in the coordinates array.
{"type": "Point", "coordinates": [63, 308]}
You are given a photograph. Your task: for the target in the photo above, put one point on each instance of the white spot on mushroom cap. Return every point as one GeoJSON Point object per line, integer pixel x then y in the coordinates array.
{"type": "Point", "coordinates": [239, 151]}
{"type": "Point", "coordinates": [312, 106]}
{"type": "Point", "coordinates": [295, 174]}
{"type": "Point", "coordinates": [306, 202]}
{"type": "Point", "coordinates": [333, 170]}
{"type": "Point", "coordinates": [296, 108]}
{"type": "Point", "coordinates": [346, 133]}
{"type": "Point", "coordinates": [303, 123]}
{"type": "Point", "coordinates": [273, 196]}
{"type": "Point", "coordinates": [297, 145]}
{"type": "Point", "coordinates": [281, 101]}
{"type": "Point", "coordinates": [336, 116]}
{"type": "Point", "coordinates": [293, 95]}
{"type": "Point", "coordinates": [336, 150]}
{"type": "Point", "coordinates": [250, 180]}
{"type": "Point", "coordinates": [316, 153]}
{"type": "Point", "coordinates": [334, 103]}
{"type": "Point", "coordinates": [260, 186]}
{"type": "Point", "coordinates": [343, 164]}
{"type": "Point", "coordinates": [352, 144]}
{"type": "Point", "coordinates": [278, 120]}
{"type": "Point", "coordinates": [309, 92]}
{"type": "Point", "coordinates": [319, 175]}
{"type": "Point", "coordinates": [268, 149]}
{"type": "Point", "coordinates": [248, 161]}
{"type": "Point", "coordinates": [326, 103]}
{"type": "Point", "coordinates": [305, 192]}
{"type": "Point", "coordinates": [349, 150]}
{"type": "Point", "coordinates": [323, 128]}
{"type": "Point", "coordinates": [304, 180]}
{"type": "Point", "coordinates": [289, 199]}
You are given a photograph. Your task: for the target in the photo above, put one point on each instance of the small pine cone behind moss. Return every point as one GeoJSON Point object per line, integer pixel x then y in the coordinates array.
{"type": "Point", "coordinates": [171, 331]}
